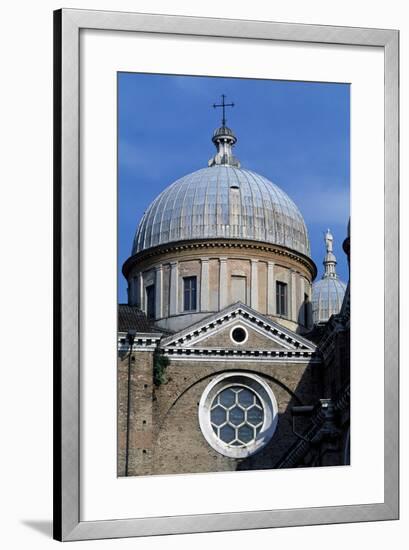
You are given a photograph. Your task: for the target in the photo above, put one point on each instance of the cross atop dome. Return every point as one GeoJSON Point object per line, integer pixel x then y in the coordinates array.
{"type": "Point", "coordinates": [223, 105]}
{"type": "Point", "coordinates": [224, 140]}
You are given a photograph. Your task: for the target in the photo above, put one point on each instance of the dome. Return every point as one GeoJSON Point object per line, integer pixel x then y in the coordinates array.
{"type": "Point", "coordinates": [223, 131]}
{"type": "Point", "coordinates": [223, 201]}
{"type": "Point", "coordinates": [327, 293]}
{"type": "Point", "coordinates": [327, 297]}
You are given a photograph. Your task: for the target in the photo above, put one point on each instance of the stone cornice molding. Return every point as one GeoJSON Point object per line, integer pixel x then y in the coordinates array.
{"type": "Point", "coordinates": [180, 246]}
{"type": "Point", "coordinates": [302, 356]}
{"type": "Point", "coordinates": [186, 337]}
{"type": "Point", "coordinates": [143, 341]}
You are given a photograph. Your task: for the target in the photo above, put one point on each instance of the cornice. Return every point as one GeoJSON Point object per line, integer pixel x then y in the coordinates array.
{"type": "Point", "coordinates": [181, 246]}
{"type": "Point", "coordinates": [238, 311]}
{"type": "Point", "coordinates": [301, 356]}
{"type": "Point", "coordinates": [142, 342]}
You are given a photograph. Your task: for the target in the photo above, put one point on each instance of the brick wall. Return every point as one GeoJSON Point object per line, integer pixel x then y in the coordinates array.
{"type": "Point", "coordinates": [170, 441]}
{"type": "Point", "coordinates": [141, 420]}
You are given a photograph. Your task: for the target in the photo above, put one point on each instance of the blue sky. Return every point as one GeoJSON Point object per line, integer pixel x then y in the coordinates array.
{"type": "Point", "coordinates": [294, 133]}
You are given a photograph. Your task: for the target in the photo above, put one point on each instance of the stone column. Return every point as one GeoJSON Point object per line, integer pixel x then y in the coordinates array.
{"type": "Point", "coordinates": [254, 284]}
{"type": "Point", "coordinates": [158, 292]}
{"type": "Point", "coordinates": [271, 289]}
{"type": "Point", "coordinates": [293, 296]}
{"type": "Point", "coordinates": [133, 290]}
{"type": "Point", "coordinates": [173, 290]}
{"type": "Point", "coordinates": [303, 306]}
{"type": "Point", "coordinates": [309, 293]}
{"type": "Point", "coordinates": [141, 293]}
{"type": "Point", "coordinates": [223, 283]}
{"type": "Point", "coordinates": [204, 285]}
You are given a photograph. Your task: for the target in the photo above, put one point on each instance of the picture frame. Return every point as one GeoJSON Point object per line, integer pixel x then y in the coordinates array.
{"type": "Point", "coordinates": [68, 24]}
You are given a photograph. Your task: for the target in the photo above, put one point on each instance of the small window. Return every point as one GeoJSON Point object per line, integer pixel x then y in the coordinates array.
{"type": "Point", "coordinates": [281, 299]}
{"type": "Point", "coordinates": [150, 301]}
{"type": "Point", "coordinates": [238, 335]}
{"type": "Point", "coordinates": [189, 293]}
{"type": "Point", "coordinates": [306, 311]}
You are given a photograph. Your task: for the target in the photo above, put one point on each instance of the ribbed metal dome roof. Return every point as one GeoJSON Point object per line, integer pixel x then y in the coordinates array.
{"type": "Point", "coordinates": [327, 293]}
{"type": "Point", "coordinates": [327, 297]}
{"type": "Point", "coordinates": [223, 131]}
{"type": "Point", "coordinates": [223, 201]}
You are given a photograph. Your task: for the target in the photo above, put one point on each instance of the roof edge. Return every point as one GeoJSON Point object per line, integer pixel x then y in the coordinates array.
{"type": "Point", "coordinates": [307, 261]}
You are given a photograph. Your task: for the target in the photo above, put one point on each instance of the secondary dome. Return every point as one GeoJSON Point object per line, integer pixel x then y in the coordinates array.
{"type": "Point", "coordinates": [327, 297]}
{"type": "Point", "coordinates": [223, 201]}
{"type": "Point", "coordinates": [327, 293]}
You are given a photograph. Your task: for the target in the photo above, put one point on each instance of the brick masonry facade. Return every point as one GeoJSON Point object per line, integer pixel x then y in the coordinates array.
{"type": "Point", "coordinates": [164, 431]}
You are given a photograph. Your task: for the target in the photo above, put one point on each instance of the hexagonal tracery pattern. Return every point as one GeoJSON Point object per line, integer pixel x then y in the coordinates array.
{"type": "Point", "coordinates": [236, 415]}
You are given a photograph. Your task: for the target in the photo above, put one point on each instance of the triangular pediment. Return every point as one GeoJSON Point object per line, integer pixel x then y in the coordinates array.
{"type": "Point", "coordinates": [263, 335]}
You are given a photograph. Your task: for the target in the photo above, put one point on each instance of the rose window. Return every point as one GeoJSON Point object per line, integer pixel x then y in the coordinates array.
{"type": "Point", "coordinates": [237, 416]}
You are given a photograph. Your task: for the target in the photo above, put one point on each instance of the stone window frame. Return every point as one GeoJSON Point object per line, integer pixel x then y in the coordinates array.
{"type": "Point", "coordinates": [306, 310]}
{"type": "Point", "coordinates": [283, 285]}
{"type": "Point", "coordinates": [231, 335]}
{"type": "Point", "coordinates": [189, 278]}
{"type": "Point", "coordinates": [240, 275]}
{"type": "Point", "coordinates": [150, 300]}
{"type": "Point", "coordinates": [267, 398]}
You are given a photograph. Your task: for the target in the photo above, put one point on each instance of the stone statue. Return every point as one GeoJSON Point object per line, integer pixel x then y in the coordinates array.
{"type": "Point", "coordinates": [329, 240]}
